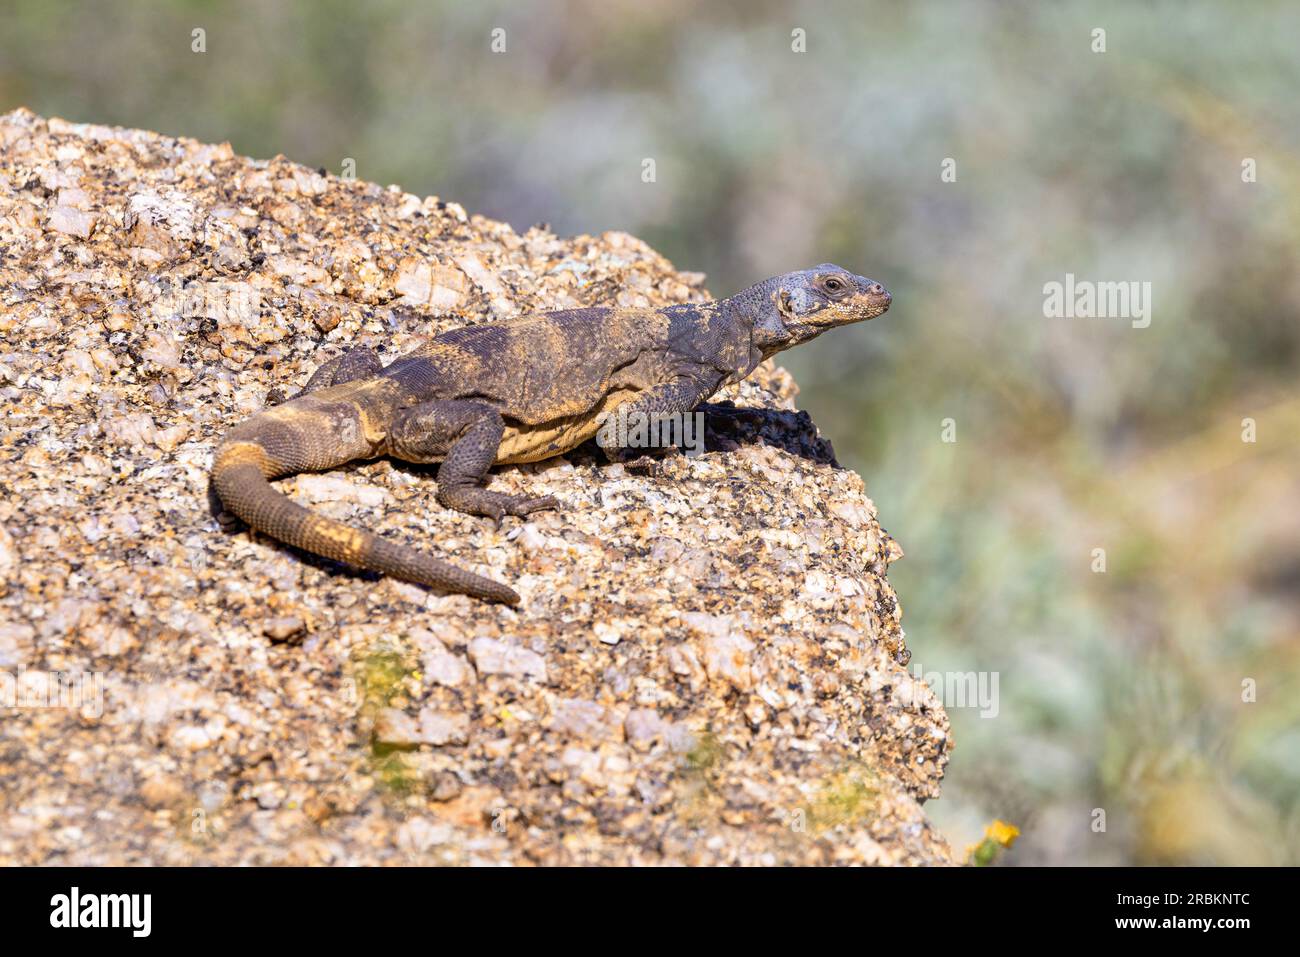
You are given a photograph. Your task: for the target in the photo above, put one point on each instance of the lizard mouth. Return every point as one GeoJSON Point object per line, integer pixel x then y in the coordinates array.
{"type": "Point", "coordinates": [877, 303]}
{"type": "Point", "coordinates": [859, 308]}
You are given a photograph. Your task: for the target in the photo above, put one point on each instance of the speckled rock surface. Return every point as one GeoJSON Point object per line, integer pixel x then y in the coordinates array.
{"type": "Point", "coordinates": [707, 666]}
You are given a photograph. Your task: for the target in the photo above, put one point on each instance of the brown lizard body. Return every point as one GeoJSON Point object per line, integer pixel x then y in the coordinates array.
{"type": "Point", "coordinates": [522, 390]}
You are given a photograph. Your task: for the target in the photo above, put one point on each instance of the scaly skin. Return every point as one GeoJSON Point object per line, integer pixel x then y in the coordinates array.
{"type": "Point", "coordinates": [517, 391]}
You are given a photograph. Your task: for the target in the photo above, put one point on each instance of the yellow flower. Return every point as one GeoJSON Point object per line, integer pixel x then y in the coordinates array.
{"type": "Point", "coordinates": [1002, 832]}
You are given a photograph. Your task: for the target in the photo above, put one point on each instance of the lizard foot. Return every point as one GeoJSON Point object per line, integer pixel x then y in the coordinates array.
{"type": "Point", "coordinates": [495, 505]}
{"type": "Point", "coordinates": [643, 465]}
{"type": "Point", "coordinates": [650, 464]}
{"type": "Point", "coordinates": [229, 522]}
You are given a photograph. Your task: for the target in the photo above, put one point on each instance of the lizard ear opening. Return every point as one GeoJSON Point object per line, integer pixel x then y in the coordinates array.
{"type": "Point", "coordinates": [770, 330]}
{"type": "Point", "coordinates": [784, 304]}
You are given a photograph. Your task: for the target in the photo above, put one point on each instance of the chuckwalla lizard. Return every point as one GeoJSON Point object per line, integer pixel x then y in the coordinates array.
{"type": "Point", "coordinates": [521, 390]}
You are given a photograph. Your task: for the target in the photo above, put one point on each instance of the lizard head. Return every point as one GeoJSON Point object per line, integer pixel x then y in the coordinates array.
{"type": "Point", "coordinates": [802, 305]}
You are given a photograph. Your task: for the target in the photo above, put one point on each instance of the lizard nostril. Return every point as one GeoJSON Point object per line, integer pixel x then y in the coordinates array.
{"type": "Point", "coordinates": [877, 288]}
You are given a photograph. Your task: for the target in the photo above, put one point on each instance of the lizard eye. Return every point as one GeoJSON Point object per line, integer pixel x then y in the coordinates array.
{"type": "Point", "coordinates": [833, 285]}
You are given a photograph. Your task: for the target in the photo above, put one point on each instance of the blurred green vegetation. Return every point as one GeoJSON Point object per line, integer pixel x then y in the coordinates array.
{"type": "Point", "coordinates": [1120, 690]}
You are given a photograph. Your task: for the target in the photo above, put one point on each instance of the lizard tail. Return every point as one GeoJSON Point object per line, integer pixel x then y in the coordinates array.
{"type": "Point", "coordinates": [240, 476]}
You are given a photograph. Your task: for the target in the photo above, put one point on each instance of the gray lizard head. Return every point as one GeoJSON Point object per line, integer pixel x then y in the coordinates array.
{"type": "Point", "coordinates": [799, 306]}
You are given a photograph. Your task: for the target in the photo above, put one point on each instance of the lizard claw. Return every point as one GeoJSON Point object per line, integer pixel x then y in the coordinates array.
{"type": "Point", "coordinates": [495, 505]}
{"type": "Point", "coordinates": [520, 506]}
{"type": "Point", "coordinates": [643, 465]}
{"type": "Point", "coordinates": [526, 506]}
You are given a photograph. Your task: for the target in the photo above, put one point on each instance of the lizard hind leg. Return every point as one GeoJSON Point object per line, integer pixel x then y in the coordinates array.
{"type": "Point", "coordinates": [465, 437]}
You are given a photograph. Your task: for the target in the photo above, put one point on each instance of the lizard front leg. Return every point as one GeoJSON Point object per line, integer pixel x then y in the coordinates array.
{"type": "Point", "coordinates": [619, 433]}
{"type": "Point", "coordinates": [465, 436]}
